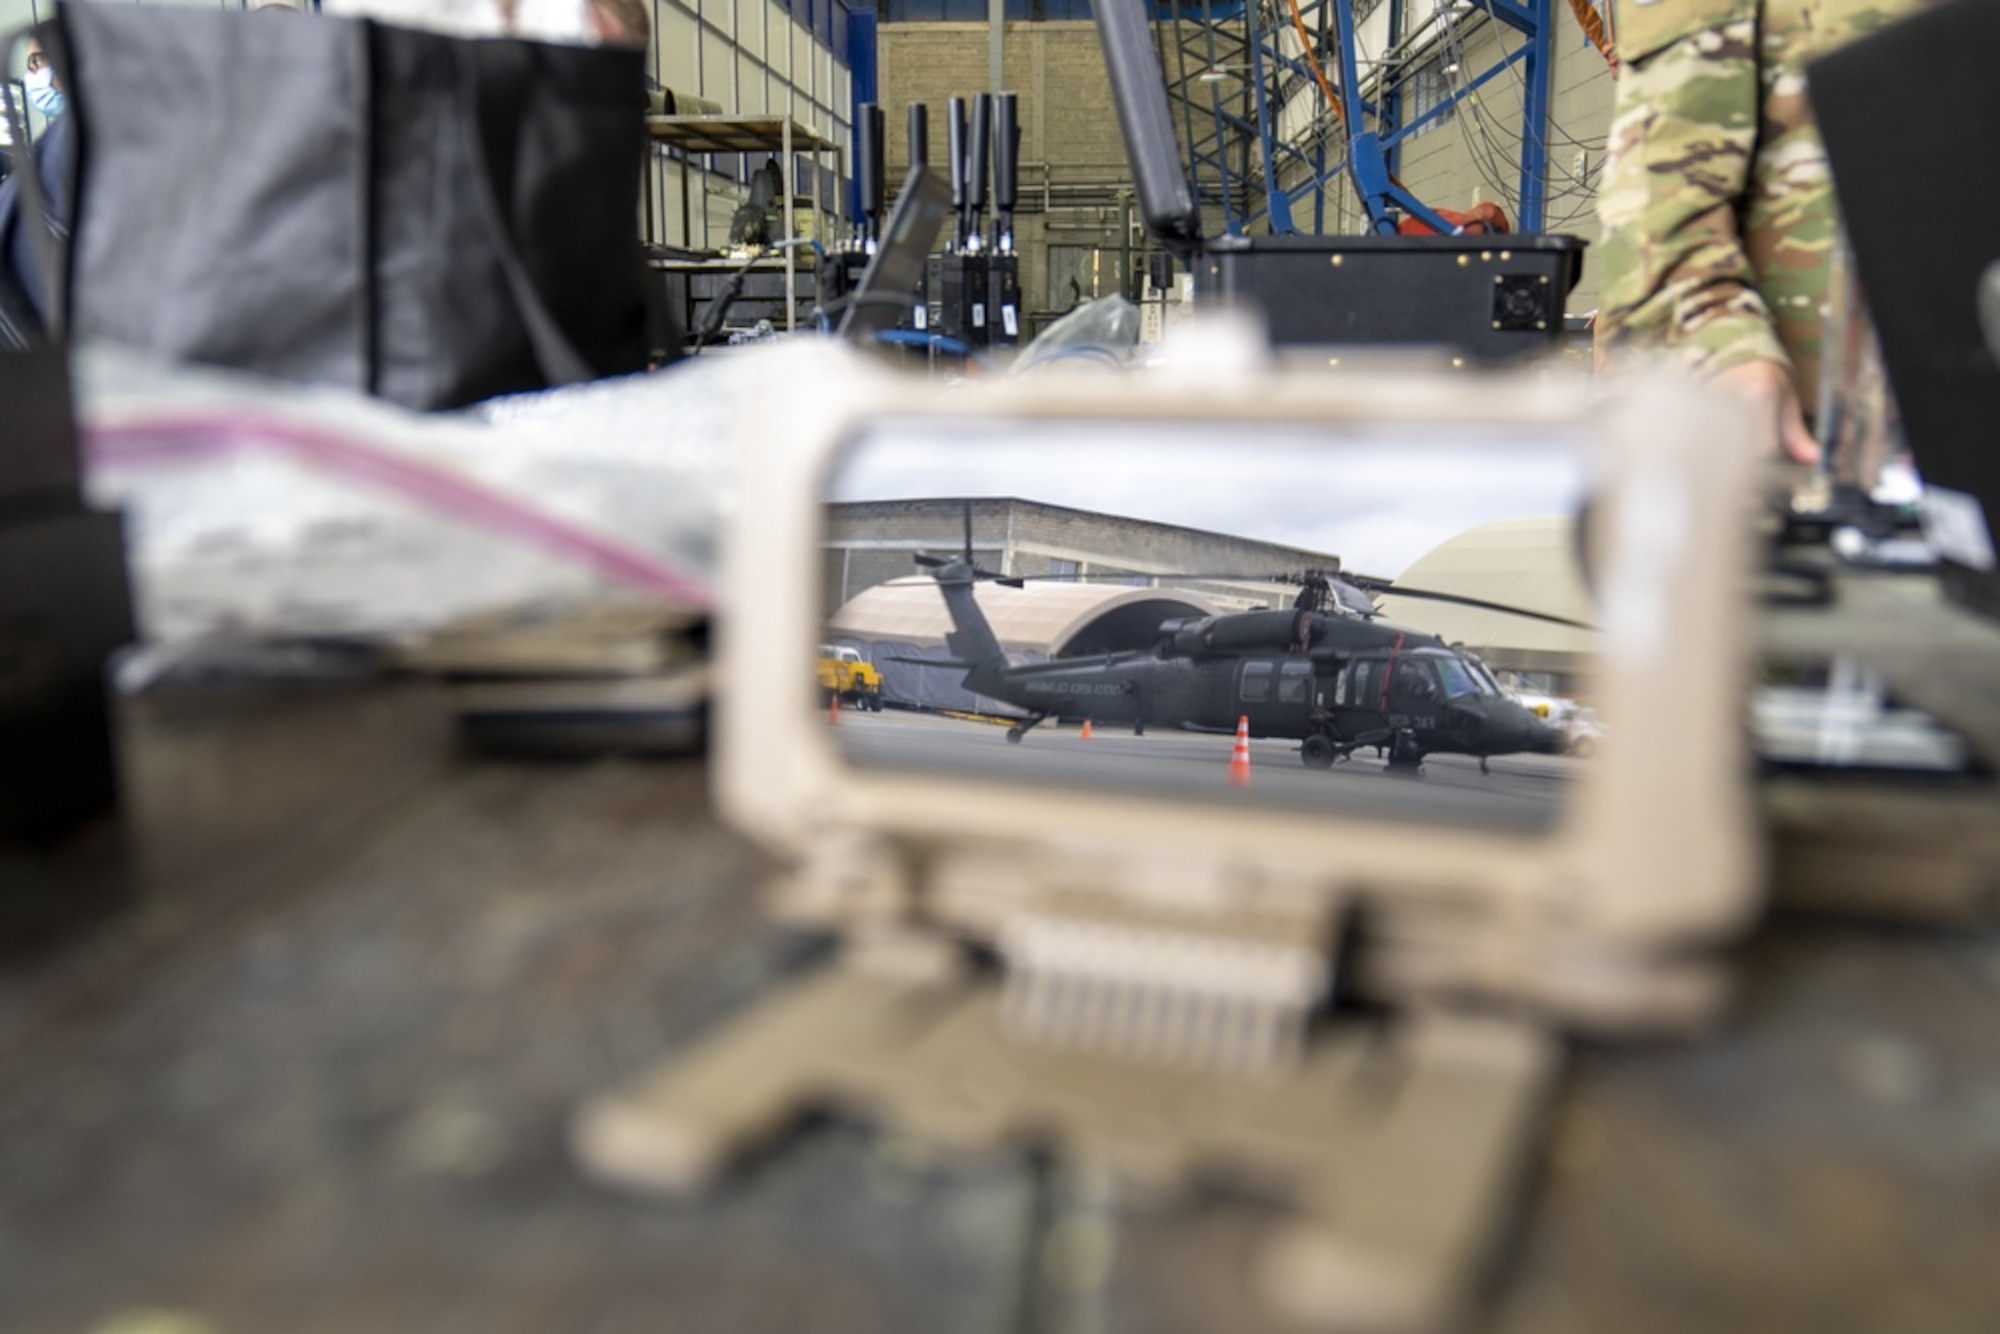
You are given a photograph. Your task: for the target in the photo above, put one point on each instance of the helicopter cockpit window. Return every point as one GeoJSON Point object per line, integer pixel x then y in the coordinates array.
{"type": "Point", "coordinates": [1458, 678]}
{"type": "Point", "coordinates": [1415, 678]}
{"type": "Point", "coordinates": [1487, 684]}
{"type": "Point", "coordinates": [1011, 580]}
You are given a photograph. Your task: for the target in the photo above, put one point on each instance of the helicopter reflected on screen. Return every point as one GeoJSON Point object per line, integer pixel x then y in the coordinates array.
{"type": "Point", "coordinates": [943, 563]}
{"type": "Point", "coordinates": [1333, 682]}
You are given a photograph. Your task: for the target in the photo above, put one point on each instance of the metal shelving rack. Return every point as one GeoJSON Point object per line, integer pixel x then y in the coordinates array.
{"type": "Point", "coordinates": [691, 137]}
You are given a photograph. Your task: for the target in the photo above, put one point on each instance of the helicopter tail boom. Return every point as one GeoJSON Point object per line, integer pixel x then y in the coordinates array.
{"type": "Point", "coordinates": [971, 639]}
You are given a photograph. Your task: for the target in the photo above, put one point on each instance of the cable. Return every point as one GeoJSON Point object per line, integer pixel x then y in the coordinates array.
{"type": "Point", "coordinates": [934, 342]}
{"type": "Point", "coordinates": [1491, 144]}
{"type": "Point", "coordinates": [718, 310]}
{"type": "Point", "coordinates": [1333, 101]}
{"type": "Point", "coordinates": [1581, 187]}
{"type": "Point", "coordinates": [907, 300]}
{"type": "Point", "coordinates": [1592, 24]}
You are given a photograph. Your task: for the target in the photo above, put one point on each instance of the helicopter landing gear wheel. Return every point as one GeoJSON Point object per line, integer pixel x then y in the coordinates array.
{"type": "Point", "coordinates": [1014, 735]}
{"type": "Point", "coordinates": [1404, 757]}
{"type": "Point", "coordinates": [1317, 752]}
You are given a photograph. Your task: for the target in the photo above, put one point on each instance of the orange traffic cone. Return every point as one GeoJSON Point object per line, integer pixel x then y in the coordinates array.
{"type": "Point", "coordinates": [1085, 733]}
{"type": "Point", "coordinates": [1239, 759]}
{"type": "Point", "coordinates": [833, 708]}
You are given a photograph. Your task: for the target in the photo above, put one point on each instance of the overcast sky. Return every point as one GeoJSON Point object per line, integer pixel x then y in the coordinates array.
{"type": "Point", "coordinates": [1377, 499]}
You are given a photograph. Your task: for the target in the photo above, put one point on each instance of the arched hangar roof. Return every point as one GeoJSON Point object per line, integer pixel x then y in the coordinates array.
{"type": "Point", "coordinates": [1043, 618]}
{"type": "Point", "coordinates": [1527, 563]}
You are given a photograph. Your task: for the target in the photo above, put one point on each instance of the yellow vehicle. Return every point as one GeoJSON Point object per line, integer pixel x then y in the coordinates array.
{"type": "Point", "coordinates": [845, 673]}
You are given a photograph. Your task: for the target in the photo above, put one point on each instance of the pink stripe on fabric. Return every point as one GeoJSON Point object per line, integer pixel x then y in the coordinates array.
{"type": "Point", "coordinates": [177, 439]}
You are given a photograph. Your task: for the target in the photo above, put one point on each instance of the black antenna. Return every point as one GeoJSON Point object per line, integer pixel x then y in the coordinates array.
{"type": "Point", "coordinates": [981, 129]}
{"type": "Point", "coordinates": [1006, 168]}
{"type": "Point", "coordinates": [955, 143]}
{"type": "Point", "coordinates": [920, 135]}
{"type": "Point", "coordinates": [868, 170]}
{"type": "Point", "coordinates": [1139, 92]}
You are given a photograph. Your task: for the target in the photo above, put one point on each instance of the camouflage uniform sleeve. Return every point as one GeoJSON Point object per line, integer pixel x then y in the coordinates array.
{"type": "Point", "coordinates": [1674, 270]}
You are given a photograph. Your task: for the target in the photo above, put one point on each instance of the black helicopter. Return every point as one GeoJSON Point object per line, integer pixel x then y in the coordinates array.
{"type": "Point", "coordinates": [1336, 681]}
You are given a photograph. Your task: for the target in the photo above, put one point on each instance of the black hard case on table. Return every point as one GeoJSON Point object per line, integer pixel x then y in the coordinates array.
{"type": "Point", "coordinates": [38, 463]}
{"type": "Point", "coordinates": [1488, 298]}
{"type": "Point", "coordinates": [65, 607]}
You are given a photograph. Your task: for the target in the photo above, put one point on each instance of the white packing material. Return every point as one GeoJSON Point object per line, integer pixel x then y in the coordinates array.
{"type": "Point", "coordinates": [271, 511]}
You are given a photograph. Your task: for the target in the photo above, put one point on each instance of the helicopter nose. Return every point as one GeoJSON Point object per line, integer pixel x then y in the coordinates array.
{"type": "Point", "coordinates": [1516, 728]}
{"type": "Point", "coordinates": [1538, 737]}
{"type": "Point", "coordinates": [1508, 728]}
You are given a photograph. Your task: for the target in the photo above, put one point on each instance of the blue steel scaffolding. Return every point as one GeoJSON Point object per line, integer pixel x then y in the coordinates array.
{"type": "Point", "coordinates": [1242, 74]}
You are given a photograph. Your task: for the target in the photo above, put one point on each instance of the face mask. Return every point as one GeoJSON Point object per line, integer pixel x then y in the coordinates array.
{"type": "Point", "coordinates": [43, 94]}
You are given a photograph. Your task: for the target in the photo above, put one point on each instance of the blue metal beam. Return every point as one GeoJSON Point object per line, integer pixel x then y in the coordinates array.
{"type": "Point", "coordinates": [1392, 101]}
{"type": "Point", "coordinates": [1395, 139]}
{"type": "Point", "coordinates": [1367, 164]}
{"type": "Point", "coordinates": [861, 65]}
{"type": "Point", "coordinates": [1531, 19]}
{"type": "Point", "coordinates": [1537, 71]}
{"type": "Point", "coordinates": [1277, 208]}
{"type": "Point", "coordinates": [1374, 135]}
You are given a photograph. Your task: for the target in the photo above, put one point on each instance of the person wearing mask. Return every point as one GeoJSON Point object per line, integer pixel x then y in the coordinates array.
{"type": "Point", "coordinates": [22, 309]}
{"type": "Point", "coordinates": [45, 92]}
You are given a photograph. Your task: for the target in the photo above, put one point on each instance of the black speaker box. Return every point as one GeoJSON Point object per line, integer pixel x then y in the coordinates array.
{"type": "Point", "coordinates": [1487, 298]}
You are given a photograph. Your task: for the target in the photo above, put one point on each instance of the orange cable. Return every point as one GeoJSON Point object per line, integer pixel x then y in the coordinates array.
{"type": "Point", "coordinates": [1592, 24]}
{"type": "Point", "coordinates": [1333, 101]}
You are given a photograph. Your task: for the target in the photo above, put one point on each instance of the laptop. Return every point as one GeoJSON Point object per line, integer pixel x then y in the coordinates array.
{"type": "Point", "coordinates": [1926, 252]}
{"type": "Point", "coordinates": [887, 290]}
{"type": "Point", "coordinates": [1485, 297]}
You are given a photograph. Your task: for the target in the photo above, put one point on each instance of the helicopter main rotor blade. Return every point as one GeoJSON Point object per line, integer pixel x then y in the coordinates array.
{"type": "Point", "coordinates": [1351, 598]}
{"type": "Point", "coordinates": [1169, 576]}
{"type": "Point", "coordinates": [1362, 587]}
{"type": "Point", "coordinates": [1386, 589]}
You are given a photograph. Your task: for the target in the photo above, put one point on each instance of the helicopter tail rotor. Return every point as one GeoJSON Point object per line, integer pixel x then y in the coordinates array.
{"type": "Point", "coordinates": [965, 560]}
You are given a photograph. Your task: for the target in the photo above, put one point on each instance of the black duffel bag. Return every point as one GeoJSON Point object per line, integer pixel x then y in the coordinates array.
{"type": "Point", "coordinates": [430, 219]}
